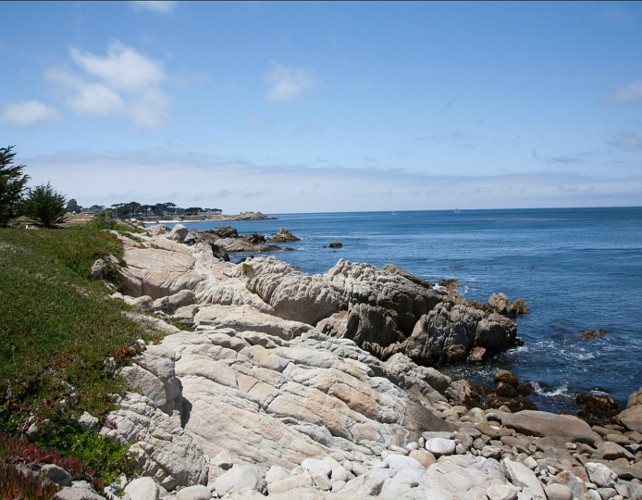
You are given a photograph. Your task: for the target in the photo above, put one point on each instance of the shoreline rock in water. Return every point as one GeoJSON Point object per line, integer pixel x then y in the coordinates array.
{"type": "Point", "coordinates": [259, 400]}
{"type": "Point", "coordinates": [225, 239]}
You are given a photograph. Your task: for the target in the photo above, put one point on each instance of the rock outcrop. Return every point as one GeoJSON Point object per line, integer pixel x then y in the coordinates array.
{"type": "Point", "coordinates": [227, 239]}
{"type": "Point", "coordinates": [275, 391]}
{"type": "Point", "coordinates": [502, 305]}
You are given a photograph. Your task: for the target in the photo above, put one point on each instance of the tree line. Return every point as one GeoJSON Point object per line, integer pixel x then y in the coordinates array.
{"type": "Point", "coordinates": [49, 207]}
{"type": "Point", "coordinates": [134, 209]}
{"type": "Point", "coordinates": [41, 203]}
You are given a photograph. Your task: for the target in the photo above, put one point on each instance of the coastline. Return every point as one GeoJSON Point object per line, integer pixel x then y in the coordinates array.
{"type": "Point", "coordinates": [243, 216]}
{"type": "Point", "coordinates": [265, 392]}
{"type": "Point", "coordinates": [275, 392]}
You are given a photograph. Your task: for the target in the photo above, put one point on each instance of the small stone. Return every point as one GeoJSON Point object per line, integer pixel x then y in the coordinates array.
{"type": "Point", "coordinates": [196, 492]}
{"type": "Point", "coordinates": [492, 452]}
{"type": "Point", "coordinates": [276, 473]}
{"type": "Point", "coordinates": [612, 451]}
{"type": "Point", "coordinates": [321, 481]}
{"type": "Point", "coordinates": [440, 446]}
{"type": "Point", "coordinates": [600, 474]}
{"type": "Point", "coordinates": [239, 477]}
{"type": "Point", "coordinates": [33, 433]}
{"type": "Point", "coordinates": [143, 488]}
{"type": "Point", "coordinates": [223, 460]}
{"type": "Point", "coordinates": [401, 462]}
{"type": "Point", "coordinates": [316, 466]}
{"type": "Point", "coordinates": [479, 443]}
{"type": "Point", "coordinates": [87, 420]}
{"type": "Point", "coordinates": [411, 447]}
{"type": "Point", "coordinates": [57, 474]}
{"type": "Point", "coordinates": [502, 492]}
{"type": "Point", "coordinates": [477, 415]}
{"type": "Point", "coordinates": [607, 493]}
{"type": "Point", "coordinates": [557, 491]}
{"type": "Point", "coordinates": [617, 438]}
{"type": "Point", "coordinates": [477, 354]}
{"type": "Point", "coordinates": [424, 457]}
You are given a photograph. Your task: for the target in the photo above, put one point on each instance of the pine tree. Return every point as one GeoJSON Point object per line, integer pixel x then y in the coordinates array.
{"type": "Point", "coordinates": [45, 205]}
{"type": "Point", "coordinates": [12, 185]}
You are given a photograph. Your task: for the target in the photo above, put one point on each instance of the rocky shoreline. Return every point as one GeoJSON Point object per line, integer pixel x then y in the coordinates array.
{"type": "Point", "coordinates": [287, 385]}
{"type": "Point", "coordinates": [212, 218]}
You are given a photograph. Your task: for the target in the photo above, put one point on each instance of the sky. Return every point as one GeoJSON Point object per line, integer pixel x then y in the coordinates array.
{"type": "Point", "coordinates": [286, 107]}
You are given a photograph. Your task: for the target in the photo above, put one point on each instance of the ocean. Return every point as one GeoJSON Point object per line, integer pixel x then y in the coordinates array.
{"type": "Point", "coordinates": [577, 269]}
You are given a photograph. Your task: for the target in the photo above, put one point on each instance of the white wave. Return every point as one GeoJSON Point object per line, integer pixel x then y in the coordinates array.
{"type": "Point", "coordinates": [561, 390]}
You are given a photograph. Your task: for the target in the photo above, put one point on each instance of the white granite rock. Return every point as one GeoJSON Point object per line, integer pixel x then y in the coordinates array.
{"type": "Point", "coordinates": [522, 476]}
{"type": "Point", "coordinates": [601, 475]}
{"type": "Point", "coordinates": [143, 488]}
{"type": "Point", "coordinates": [239, 478]}
{"type": "Point", "coordinates": [440, 446]}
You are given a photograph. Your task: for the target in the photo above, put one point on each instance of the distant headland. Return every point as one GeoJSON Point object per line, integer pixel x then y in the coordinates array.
{"type": "Point", "coordinates": [211, 218]}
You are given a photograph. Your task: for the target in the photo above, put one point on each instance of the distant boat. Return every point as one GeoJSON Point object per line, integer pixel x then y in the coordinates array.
{"type": "Point", "coordinates": [456, 210]}
{"type": "Point", "coordinates": [393, 213]}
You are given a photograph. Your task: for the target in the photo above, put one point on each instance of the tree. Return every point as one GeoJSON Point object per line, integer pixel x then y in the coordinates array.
{"type": "Point", "coordinates": [44, 204]}
{"type": "Point", "coordinates": [72, 206]}
{"type": "Point", "coordinates": [12, 185]}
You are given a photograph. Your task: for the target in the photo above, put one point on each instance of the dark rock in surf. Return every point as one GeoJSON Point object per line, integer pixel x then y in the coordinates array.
{"type": "Point", "coordinates": [283, 236]}
{"type": "Point", "coordinates": [592, 335]}
{"type": "Point", "coordinates": [507, 391]}
{"type": "Point", "coordinates": [336, 244]}
{"type": "Point", "coordinates": [502, 305]}
{"type": "Point", "coordinates": [596, 407]}
{"type": "Point", "coordinates": [449, 284]}
{"type": "Point", "coordinates": [223, 232]}
{"type": "Point", "coordinates": [476, 355]}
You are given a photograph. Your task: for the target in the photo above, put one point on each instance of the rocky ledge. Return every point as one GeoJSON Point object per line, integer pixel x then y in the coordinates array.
{"type": "Point", "coordinates": [297, 386]}
{"type": "Point", "coordinates": [225, 239]}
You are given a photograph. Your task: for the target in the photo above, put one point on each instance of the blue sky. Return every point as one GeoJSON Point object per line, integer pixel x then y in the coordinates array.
{"type": "Point", "coordinates": [327, 106]}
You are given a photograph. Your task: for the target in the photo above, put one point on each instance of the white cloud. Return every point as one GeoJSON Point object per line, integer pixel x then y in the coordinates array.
{"type": "Point", "coordinates": [626, 140]}
{"type": "Point", "coordinates": [26, 113]}
{"type": "Point", "coordinates": [158, 176]}
{"type": "Point", "coordinates": [628, 93]}
{"type": "Point", "coordinates": [123, 68]}
{"type": "Point", "coordinates": [287, 84]}
{"type": "Point", "coordinates": [162, 7]}
{"type": "Point", "coordinates": [121, 82]}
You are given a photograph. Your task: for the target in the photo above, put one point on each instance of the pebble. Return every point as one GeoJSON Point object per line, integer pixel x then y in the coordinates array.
{"type": "Point", "coordinates": [556, 491]}
{"type": "Point", "coordinates": [440, 446]}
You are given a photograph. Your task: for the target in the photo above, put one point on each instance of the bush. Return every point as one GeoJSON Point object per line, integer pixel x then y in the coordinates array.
{"type": "Point", "coordinates": [45, 205]}
{"type": "Point", "coordinates": [97, 456]}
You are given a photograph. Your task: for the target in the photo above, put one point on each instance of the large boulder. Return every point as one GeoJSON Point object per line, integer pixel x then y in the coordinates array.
{"type": "Point", "coordinates": [283, 236]}
{"type": "Point", "coordinates": [563, 428]}
{"type": "Point", "coordinates": [388, 311]}
{"type": "Point", "coordinates": [631, 418]}
{"type": "Point", "coordinates": [161, 448]}
{"type": "Point", "coordinates": [502, 305]}
{"type": "Point", "coordinates": [164, 269]}
{"type": "Point", "coordinates": [293, 294]}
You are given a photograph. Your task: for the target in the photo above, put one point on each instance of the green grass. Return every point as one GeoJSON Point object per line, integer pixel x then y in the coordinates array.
{"type": "Point", "coordinates": [57, 328]}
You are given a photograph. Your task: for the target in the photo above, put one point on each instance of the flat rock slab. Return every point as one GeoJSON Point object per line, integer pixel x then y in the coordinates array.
{"type": "Point", "coordinates": [564, 428]}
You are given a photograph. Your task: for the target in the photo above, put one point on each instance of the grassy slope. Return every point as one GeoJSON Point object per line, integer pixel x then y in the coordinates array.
{"type": "Point", "coordinates": [57, 328]}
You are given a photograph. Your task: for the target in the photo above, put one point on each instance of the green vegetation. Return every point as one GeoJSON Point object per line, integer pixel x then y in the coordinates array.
{"type": "Point", "coordinates": [44, 205]}
{"type": "Point", "coordinates": [97, 454]}
{"type": "Point", "coordinates": [12, 184]}
{"type": "Point", "coordinates": [57, 330]}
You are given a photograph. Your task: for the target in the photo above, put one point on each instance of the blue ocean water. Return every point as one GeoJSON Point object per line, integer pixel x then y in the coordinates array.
{"type": "Point", "coordinates": [576, 269]}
